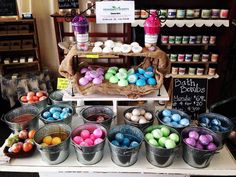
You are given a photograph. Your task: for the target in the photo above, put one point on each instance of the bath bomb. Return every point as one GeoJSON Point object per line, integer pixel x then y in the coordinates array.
{"type": "Point", "coordinates": [84, 70]}
{"type": "Point", "coordinates": [165, 131]}
{"type": "Point", "coordinates": [147, 115]}
{"type": "Point", "coordinates": [166, 119]}
{"type": "Point", "coordinates": [166, 113]}
{"type": "Point", "coordinates": [108, 76]}
{"type": "Point", "coordinates": [176, 117]}
{"type": "Point", "coordinates": [56, 115]}
{"type": "Point", "coordinates": [174, 137]}
{"type": "Point", "coordinates": [78, 139]}
{"type": "Point", "coordinates": [98, 44]}
{"type": "Point", "coordinates": [137, 49]}
{"type": "Point", "coordinates": [157, 133]}
{"type": "Point", "coordinates": [83, 81]}
{"type": "Point", "coordinates": [134, 144]}
{"type": "Point", "coordinates": [131, 71]}
{"type": "Point", "coordinates": [140, 82]}
{"type": "Point", "coordinates": [132, 78]}
{"type": "Point", "coordinates": [97, 49]}
{"type": "Point", "coordinates": [47, 114]}
{"type": "Point", "coordinates": [134, 44]}
{"type": "Point", "coordinates": [125, 48]}
{"type": "Point", "coordinates": [141, 71]}
{"type": "Point", "coordinates": [123, 83]}
{"type": "Point", "coordinates": [98, 141]}
{"type": "Point", "coordinates": [142, 121]}
{"type": "Point", "coordinates": [89, 141]}
{"type": "Point", "coordinates": [113, 80]}
{"type": "Point", "coordinates": [126, 142]}
{"type": "Point", "coordinates": [116, 143]}
{"type": "Point", "coordinates": [148, 74]}
{"type": "Point", "coordinates": [153, 142]}
{"type": "Point", "coordinates": [97, 81]}
{"type": "Point", "coordinates": [162, 141]}
{"type": "Point", "coordinates": [117, 49]}
{"type": "Point", "coordinates": [136, 112]}
{"type": "Point", "coordinates": [88, 77]}
{"type": "Point", "coordinates": [150, 68]}
{"type": "Point", "coordinates": [64, 115]}
{"type": "Point", "coordinates": [109, 43]}
{"type": "Point", "coordinates": [149, 136]}
{"type": "Point", "coordinates": [106, 50]}
{"type": "Point", "coordinates": [184, 122]}
{"type": "Point", "coordinates": [151, 81]}
{"type": "Point", "coordinates": [128, 115]}
{"type": "Point", "coordinates": [98, 133]}
{"type": "Point", "coordinates": [85, 134]}
{"type": "Point", "coordinates": [121, 75]}
{"type": "Point", "coordinates": [169, 144]}
{"type": "Point", "coordinates": [119, 137]}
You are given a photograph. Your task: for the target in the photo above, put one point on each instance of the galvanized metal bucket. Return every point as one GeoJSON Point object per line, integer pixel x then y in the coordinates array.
{"type": "Point", "coordinates": [92, 154]}
{"type": "Point", "coordinates": [29, 125]}
{"type": "Point", "coordinates": [56, 98]}
{"type": "Point", "coordinates": [125, 156]}
{"type": "Point", "coordinates": [53, 154]}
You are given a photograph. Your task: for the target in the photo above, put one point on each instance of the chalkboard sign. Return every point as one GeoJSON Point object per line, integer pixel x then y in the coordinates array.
{"type": "Point", "coordinates": [8, 8]}
{"type": "Point", "coordinates": [68, 4]}
{"type": "Point", "coordinates": [190, 95]}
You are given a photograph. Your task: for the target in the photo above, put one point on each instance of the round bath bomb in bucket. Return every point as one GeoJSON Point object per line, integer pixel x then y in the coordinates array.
{"type": "Point", "coordinates": [162, 144]}
{"type": "Point", "coordinates": [88, 141]}
{"type": "Point", "coordinates": [139, 117]}
{"type": "Point", "coordinates": [53, 142]}
{"type": "Point", "coordinates": [98, 114]}
{"type": "Point", "coordinates": [124, 143]}
{"type": "Point", "coordinates": [173, 118]}
{"type": "Point", "coordinates": [199, 146]}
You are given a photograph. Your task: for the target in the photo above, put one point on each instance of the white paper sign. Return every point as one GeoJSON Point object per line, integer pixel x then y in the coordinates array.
{"type": "Point", "coordinates": [115, 12]}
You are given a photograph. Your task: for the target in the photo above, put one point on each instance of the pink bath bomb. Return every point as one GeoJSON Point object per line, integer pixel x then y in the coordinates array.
{"type": "Point", "coordinates": [94, 74]}
{"type": "Point", "coordinates": [83, 143]}
{"type": "Point", "coordinates": [85, 134]}
{"type": "Point", "coordinates": [92, 137]}
{"type": "Point", "coordinates": [98, 141]}
{"type": "Point", "coordinates": [97, 81]}
{"type": "Point", "coordinates": [78, 139]}
{"type": "Point", "coordinates": [98, 133]}
{"type": "Point", "coordinates": [87, 76]}
{"type": "Point", "coordinates": [89, 141]}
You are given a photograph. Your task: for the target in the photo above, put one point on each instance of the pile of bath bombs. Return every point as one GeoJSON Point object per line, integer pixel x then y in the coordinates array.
{"type": "Point", "coordinates": [174, 119]}
{"type": "Point", "coordinates": [124, 141]}
{"type": "Point", "coordinates": [162, 138]}
{"type": "Point", "coordinates": [56, 113]}
{"type": "Point", "coordinates": [117, 47]}
{"type": "Point", "coordinates": [200, 141]}
{"type": "Point", "coordinates": [214, 124]}
{"type": "Point", "coordinates": [139, 115]}
{"type": "Point", "coordinates": [90, 75]}
{"type": "Point", "coordinates": [122, 77]}
{"type": "Point", "coordinates": [87, 138]}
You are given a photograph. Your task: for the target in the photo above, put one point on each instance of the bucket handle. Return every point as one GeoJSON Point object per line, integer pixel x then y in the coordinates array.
{"type": "Point", "coordinates": [127, 152]}
{"type": "Point", "coordinates": [2, 117]}
{"type": "Point", "coordinates": [216, 152]}
{"type": "Point", "coordinates": [77, 146]}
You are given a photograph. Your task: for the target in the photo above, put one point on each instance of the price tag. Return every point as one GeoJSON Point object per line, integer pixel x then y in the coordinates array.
{"type": "Point", "coordinates": [62, 83]}
{"type": "Point", "coordinates": [92, 56]}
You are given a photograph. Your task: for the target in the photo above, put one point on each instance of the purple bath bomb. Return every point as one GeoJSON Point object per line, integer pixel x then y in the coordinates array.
{"type": "Point", "coordinates": [94, 74]}
{"type": "Point", "coordinates": [97, 80]}
{"type": "Point", "coordinates": [84, 70]}
{"type": "Point", "coordinates": [211, 147]}
{"type": "Point", "coordinates": [210, 137]}
{"type": "Point", "coordinates": [190, 141]}
{"type": "Point", "coordinates": [87, 76]}
{"type": "Point", "coordinates": [204, 140]}
{"type": "Point", "coordinates": [193, 134]}
{"type": "Point", "coordinates": [199, 146]}
{"type": "Point", "coordinates": [83, 81]}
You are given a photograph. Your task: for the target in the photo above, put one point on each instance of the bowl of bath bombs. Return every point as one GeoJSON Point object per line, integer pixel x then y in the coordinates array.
{"type": "Point", "coordinates": [199, 146]}
{"type": "Point", "coordinates": [217, 123]}
{"type": "Point", "coordinates": [89, 75]}
{"type": "Point", "coordinates": [162, 144]}
{"type": "Point", "coordinates": [89, 140]}
{"type": "Point", "coordinates": [60, 113]}
{"type": "Point", "coordinates": [139, 117]}
{"type": "Point", "coordinates": [173, 118]}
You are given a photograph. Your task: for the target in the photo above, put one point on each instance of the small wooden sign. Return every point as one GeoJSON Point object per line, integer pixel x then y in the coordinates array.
{"type": "Point", "coordinates": [190, 95]}
{"type": "Point", "coordinates": [8, 9]}
{"type": "Point", "coordinates": [68, 4]}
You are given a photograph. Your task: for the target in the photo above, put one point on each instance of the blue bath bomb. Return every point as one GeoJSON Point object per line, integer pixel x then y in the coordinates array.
{"type": "Point", "coordinates": [50, 119]}
{"type": "Point", "coordinates": [134, 144]}
{"type": "Point", "coordinates": [141, 82]}
{"type": "Point", "coordinates": [119, 137]}
{"type": "Point", "coordinates": [132, 78]}
{"type": "Point", "coordinates": [215, 128]}
{"type": "Point", "coordinates": [68, 110]}
{"type": "Point", "coordinates": [126, 142]}
{"type": "Point", "coordinates": [55, 109]}
{"type": "Point", "coordinates": [215, 122]}
{"type": "Point", "coordinates": [203, 125]}
{"type": "Point", "coordinates": [116, 143]}
{"type": "Point", "coordinates": [174, 124]}
{"type": "Point", "coordinates": [205, 120]}
{"type": "Point", "coordinates": [141, 70]}
{"type": "Point", "coordinates": [47, 114]}
{"type": "Point", "coordinates": [142, 77]}
{"type": "Point", "coordinates": [176, 117]}
{"type": "Point", "coordinates": [151, 81]}
{"type": "Point", "coordinates": [184, 122]}
{"type": "Point", "coordinates": [166, 113]}
{"type": "Point", "coordinates": [148, 74]}
{"type": "Point", "coordinates": [150, 68]}
{"type": "Point", "coordinates": [166, 119]}
{"type": "Point", "coordinates": [56, 115]}
{"type": "Point", "coordinates": [64, 115]}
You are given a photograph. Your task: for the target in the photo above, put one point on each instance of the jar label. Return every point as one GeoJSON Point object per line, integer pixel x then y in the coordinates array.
{"type": "Point", "coordinates": [82, 38]}
{"type": "Point", "coordinates": [151, 39]}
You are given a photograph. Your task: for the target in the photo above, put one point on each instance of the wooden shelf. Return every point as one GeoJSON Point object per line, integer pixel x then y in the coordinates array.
{"type": "Point", "coordinates": [188, 45]}
{"type": "Point", "coordinates": [15, 50]}
{"type": "Point", "coordinates": [192, 76]}
{"type": "Point", "coordinates": [193, 62]}
{"type": "Point", "coordinates": [26, 63]}
{"type": "Point", "coordinates": [16, 34]}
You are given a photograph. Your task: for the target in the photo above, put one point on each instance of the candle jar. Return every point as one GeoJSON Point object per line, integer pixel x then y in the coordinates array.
{"type": "Point", "coordinates": [215, 13]}
{"type": "Point", "coordinates": [188, 57]}
{"type": "Point", "coordinates": [171, 39]}
{"type": "Point", "coordinates": [190, 13]}
{"type": "Point", "coordinates": [196, 57]}
{"type": "Point", "coordinates": [171, 13]}
{"type": "Point", "coordinates": [214, 57]}
{"type": "Point", "coordinates": [164, 39]}
{"type": "Point", "coordinates": [206, 13]}
{"type": "Point", "coordinates": [212, 40]}
{"type": "Point", "coordinates": [212, 71]}
{"type": "Point", "coordinates": [224, 13]}
{"type": "Point", "coordinates": [200, 71]}
{"type": "Point", "coordinates": [182, 71]}
{"type": "Point", "coordinates": [163, 13]}
{"type": "Point", "coordinates": [173, 57]}
{"type": "Point", "coordinates": [185, 39]}
{"type": "Point", "coordinates": [199, 39]}
{"type": "Point", "coordinates": [174, 70]}
{"type": "Point", "coordinates": [205, 39]}
{"type": "Point", "coordinates": [137, 13]}
{"type": "Point", "coordinates": [181, 57]}
{"type": "Point", "coordinates": [205, 57]}
{"type": "Point", "coordinates": [196, 13]}
{"type": "Point", "coordinates": [178, 39]}
{"type": "Point", "coordinates": [144, 13]}
{"type": "Point", "coordinates": [191, 71]}
{"type": "Point", "coordinates": [180, 13]}
{"type": "Point", "coordinates": [192, 39]}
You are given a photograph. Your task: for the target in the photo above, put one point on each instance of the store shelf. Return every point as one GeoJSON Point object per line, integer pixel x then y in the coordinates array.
{"type": "Point", "coordinates": [16, 34]}
{"type": "Point", "coordinates": [16, 50]}
{"type": "Point", "coordinates": [221, 164]}
{"type": "Point", "coordinates": [193, 62]}
{"type": "Point", "coordinates": [192, 76]}
{"type": "Point", "coordinates": [25, 63]}
{"type": "Point", "coordinates": [188, 23]}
